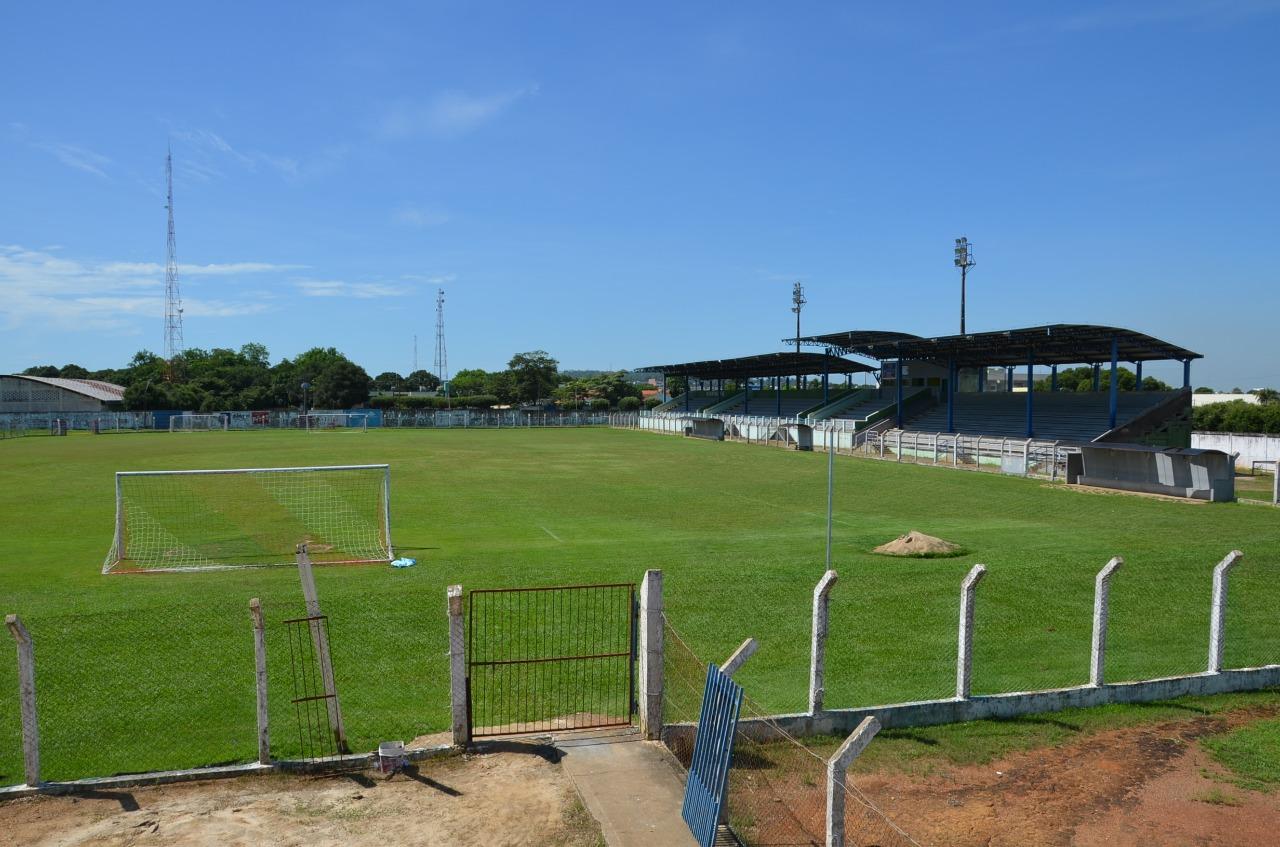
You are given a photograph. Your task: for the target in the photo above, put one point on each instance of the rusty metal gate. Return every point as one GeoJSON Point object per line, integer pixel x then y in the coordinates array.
{"type": "Point", "coordinates": [541, 659]}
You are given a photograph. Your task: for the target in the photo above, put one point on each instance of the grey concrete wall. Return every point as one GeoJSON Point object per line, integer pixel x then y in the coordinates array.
{"type": "Point", "coordinates": [934, 712]}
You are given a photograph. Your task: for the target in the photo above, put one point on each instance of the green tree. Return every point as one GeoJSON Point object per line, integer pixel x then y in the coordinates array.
{"type": "Point", "coordinates": [49, 371]}
{"type": "Point", "coordinates": [421, 380]}
{"type": "Point", "coordinates": [341, 385]}
{"type": "Point", "coordinates": [535, 374]}
{"type": "Point", "coordinates": [1204, 389]}
{"type": "Point", "coordinates": [388, 381]}
{"type": "Point", "coordinates": [468, 382]}
{"type": "Point", "coordinates": [73, 372]}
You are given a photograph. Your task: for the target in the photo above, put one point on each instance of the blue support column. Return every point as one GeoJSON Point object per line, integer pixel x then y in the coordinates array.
{"type": "Point", "coordinates": [688, 384]}
{"type": "Point", "coordinates": [826, 383]}
{"type": "Point", "coordinates": [982, 379]}
{"type": "Point", "coordinates": [951, 395]}
{"type": "Point", "coordinates": [746, 395]}
{"type": "Point", "coordinates": [1138, 367]}
{"type": "Point", "coordinates": [1008, 378]}
{"type": "Point", "coordinates": [1186, 374]}
{"type": "Point", "coordinates": [777, 392]}
{"type": "Point", "coordinates": [898, 386]}
{"type": "Point", "coordinates": [1053, 378]}
{"type": "Point", "coordinates": [1115, 380]}
{"type": "Point", "coordinates": [1031, 392]}
{"type": "Point", "coordinates": [1097, 377]}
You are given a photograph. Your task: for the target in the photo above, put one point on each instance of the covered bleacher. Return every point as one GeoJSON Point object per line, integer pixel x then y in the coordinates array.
{"type": "Point", "coordinates": [909, 362]}
{"type": "Point", "coordinates": [760, 383]}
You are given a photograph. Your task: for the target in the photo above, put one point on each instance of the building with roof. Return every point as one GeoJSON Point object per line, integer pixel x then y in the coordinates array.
{"type": "Point", "coordinates": [20, 393]}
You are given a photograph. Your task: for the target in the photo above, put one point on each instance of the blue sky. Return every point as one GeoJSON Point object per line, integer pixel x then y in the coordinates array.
{"type": "Point", "coordinates": [625, 184]}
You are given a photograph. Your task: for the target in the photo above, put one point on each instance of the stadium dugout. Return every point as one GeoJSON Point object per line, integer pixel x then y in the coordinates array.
{"type": "Point", "coordinates": [772, 374]}
{"type": "Point", "coordinates": [950, 373]}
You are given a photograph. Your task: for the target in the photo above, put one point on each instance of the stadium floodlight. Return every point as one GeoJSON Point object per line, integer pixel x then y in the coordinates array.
{"type": "Point", "coordinates": [305, 387]}
{"type": "Point", "coordinates": [964, 260]}
{"type": "Point", "coordinates": [250, 517]}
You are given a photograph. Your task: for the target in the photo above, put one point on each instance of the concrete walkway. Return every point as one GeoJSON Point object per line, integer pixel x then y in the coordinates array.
{"type": "Point", "coordinates": [633, 787]}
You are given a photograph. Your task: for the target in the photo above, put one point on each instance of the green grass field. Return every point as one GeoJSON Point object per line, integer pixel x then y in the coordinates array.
{"type": "Point", "coordinates": [153, 671]}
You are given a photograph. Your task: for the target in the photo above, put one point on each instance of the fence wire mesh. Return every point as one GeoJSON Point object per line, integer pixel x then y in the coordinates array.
{"type": "Point", "coordinates": [159, 685]}
{"type": "Point", "coordinates": [777, 783]}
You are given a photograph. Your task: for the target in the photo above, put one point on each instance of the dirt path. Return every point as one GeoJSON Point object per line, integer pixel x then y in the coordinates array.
{"type": "Point", "coordinates": [494, 799]}
{"type": "Point", "coordinates": [1136, 786]}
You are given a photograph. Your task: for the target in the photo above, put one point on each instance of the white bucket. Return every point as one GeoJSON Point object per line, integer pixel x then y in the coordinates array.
{"type": "Point", "coordinates": [391, 756]}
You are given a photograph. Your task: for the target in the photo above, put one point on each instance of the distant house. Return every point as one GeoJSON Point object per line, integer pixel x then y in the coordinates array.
{"type": "Point", "coordinates": [20, 393]}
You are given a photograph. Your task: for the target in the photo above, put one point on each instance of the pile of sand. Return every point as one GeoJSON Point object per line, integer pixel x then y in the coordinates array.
{"type": "Point", "coordinates": [917, 544]}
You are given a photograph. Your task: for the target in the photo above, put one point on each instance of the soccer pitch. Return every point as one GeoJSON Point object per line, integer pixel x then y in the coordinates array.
{"type": "Point", "coordinates": [138, 672]}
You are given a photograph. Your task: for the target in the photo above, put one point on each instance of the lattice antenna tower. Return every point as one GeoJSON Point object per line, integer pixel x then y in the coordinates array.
{"type": "Point", "coordinates": [442, 355]}
{"type": "Point", "coordinates": [172, 293]}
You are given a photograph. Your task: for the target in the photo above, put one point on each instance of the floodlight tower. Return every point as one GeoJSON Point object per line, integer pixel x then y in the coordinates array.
{"type": "Point", "coordinates": [442, 356]}
{"type": "Point", "coordinates": [797, 303]}
{"type": "Point", "coordinates": [172, 294]}
{"type": "Point", "coordinates": [964, 260]}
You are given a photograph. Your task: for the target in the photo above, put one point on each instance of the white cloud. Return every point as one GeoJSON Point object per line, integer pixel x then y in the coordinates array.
{"type": "Point", "coordinates": [341, 288]}
{"type": "Point", "coordinates": [205, 146]}
{"type": "Point", "coordinates": [39, 289]}
{"type": "Point", "coordinates": [449, 113]}
{"type": "Point", "coordinates": [76, 157]}
{"type": "Point", "coordinates": [419, 217]}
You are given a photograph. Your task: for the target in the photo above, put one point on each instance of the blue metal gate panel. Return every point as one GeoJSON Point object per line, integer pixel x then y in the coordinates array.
{"type": "Point", "coordinates": [712, 751]}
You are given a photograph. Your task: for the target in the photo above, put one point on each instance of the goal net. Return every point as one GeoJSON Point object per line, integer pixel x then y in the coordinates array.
{"type": "Point", "coordinates": [250, 517]}
{"type": "Point", "coordinates": [331, 421]}
{"type": "Point", "coordinates": [197, 423]}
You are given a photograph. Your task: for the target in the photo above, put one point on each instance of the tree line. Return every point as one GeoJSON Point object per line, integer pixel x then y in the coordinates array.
{"type": "Point", "coordinates": [222, 378]}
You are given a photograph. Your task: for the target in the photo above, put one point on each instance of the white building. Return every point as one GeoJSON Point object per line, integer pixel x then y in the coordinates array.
{"type": "Point", "coordinates": [20, 393]}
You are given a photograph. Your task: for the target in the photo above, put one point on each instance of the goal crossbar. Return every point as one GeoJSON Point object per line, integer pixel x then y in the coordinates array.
{"type": "Point", "coordinates": [219, 518]}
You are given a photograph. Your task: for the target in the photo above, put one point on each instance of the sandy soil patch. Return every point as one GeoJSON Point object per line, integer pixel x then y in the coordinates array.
{"type": "Point", "coordinates": [502, 798]}
{"type": "Point", "coordinates": [916, 543]}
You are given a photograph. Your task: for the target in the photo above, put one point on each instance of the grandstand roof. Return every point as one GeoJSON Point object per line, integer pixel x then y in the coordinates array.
{"type": "Point", "coordinates": [107, 392]}
{"type": "Point", "coordinates": [1055, 344]}
{"type": "Point", "coordinates": [768, 364]}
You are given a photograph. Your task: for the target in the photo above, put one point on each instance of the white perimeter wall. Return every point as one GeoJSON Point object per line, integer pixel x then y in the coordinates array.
{"type": "Point", "coordinates": [1250, 447]}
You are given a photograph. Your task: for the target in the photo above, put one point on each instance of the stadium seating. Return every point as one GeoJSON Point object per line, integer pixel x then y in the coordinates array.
{"type": "Point", "coordinates": [765, 403]}
{"type": "Point", "coordinates": [1059, 416]}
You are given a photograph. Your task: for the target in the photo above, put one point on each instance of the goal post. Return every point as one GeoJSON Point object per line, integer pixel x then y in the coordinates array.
{"type": "Point", "coordinates": [198, 423]}
{"type": "Point", "coordinates": [250, 517]}
{"type": "Point", "coordinates": [334, 421]}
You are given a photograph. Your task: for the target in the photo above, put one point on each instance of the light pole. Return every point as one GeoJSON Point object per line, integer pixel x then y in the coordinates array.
{"type": "Point", "coordinates": [797, 303]}
{"type": "Point", "coordinates": [964, 260]}
{"type": "Point", "coordinates": [305, 387]}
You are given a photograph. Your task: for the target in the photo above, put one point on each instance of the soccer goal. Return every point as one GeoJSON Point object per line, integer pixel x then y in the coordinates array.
{"type": "Point", "coordinates": [334, 421]}
{"type": "Point", "coordinates": [197, 423]}
{"type": "Point", "coordinates": [250, 517]}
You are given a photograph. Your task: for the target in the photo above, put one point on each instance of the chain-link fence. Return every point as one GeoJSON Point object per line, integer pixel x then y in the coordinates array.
{"type": "Point", "coordinates": [777, 791]}
{"type": "Point", "coordinates": [164, 686]}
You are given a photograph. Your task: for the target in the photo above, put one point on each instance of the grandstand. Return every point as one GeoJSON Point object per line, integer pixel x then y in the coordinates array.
{"type": "Point", "coordinates": [940, 385]}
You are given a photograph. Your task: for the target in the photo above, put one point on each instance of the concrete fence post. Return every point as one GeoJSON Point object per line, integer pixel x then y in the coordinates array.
{"type": "Point", "coordinates": [837, 772]}
{"type": "Point", "coordinates": [260, 679]}
{"type": "Point", "coordinates": [27, 698]}
{"type": "Point", "coordinates": [1275, 485]}
{"type": "Point", "coordinates": [320, 640]}
{"type": "Point", "coordinates": [458, 718]}
{"type": "Point", "coordinates": [745, 651]}
{"type": "Point", "coordinates": [818, 641]}
{"type": "Point", "coordinates": [1218, 611]}
{"type": "Point", "coordinates": [1101, 612]}
{"type": "Point", "coordinates": [651, 655]}
{"type": "Point", "coordinates": [964, 658]}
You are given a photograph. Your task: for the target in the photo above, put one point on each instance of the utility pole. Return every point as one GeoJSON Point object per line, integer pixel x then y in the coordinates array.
{"type": "Point", "coordinates": [797, 303]}
{"type": "Point", "coordinates": [964, 260]}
